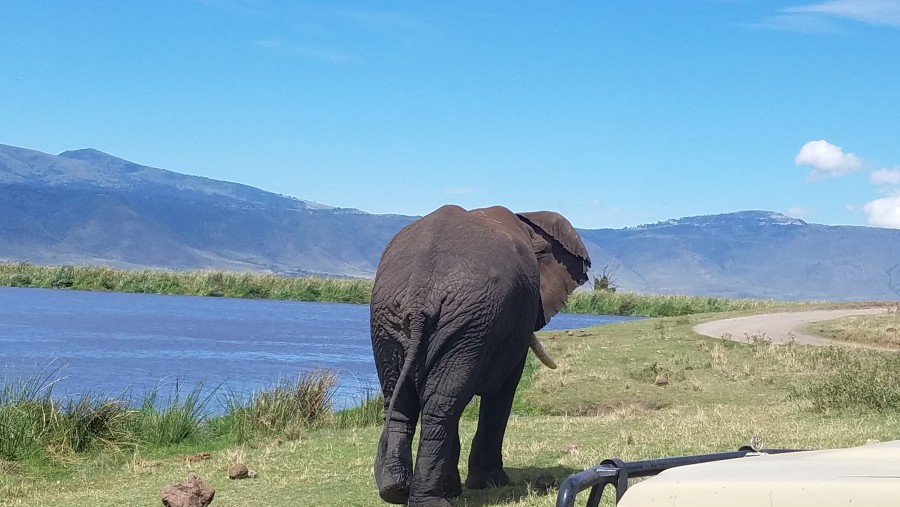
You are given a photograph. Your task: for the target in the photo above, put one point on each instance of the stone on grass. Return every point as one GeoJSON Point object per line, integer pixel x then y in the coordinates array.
{"type": "Point", "coordinates": [193, 492]}
{"type": "Point", "coordinates": [238, 471]}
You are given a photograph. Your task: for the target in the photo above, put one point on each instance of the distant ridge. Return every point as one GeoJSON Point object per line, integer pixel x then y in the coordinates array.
{"type": "Point", "coordinates": [88, 207]}
{"type": "Point", "coordinates": [746, 218]}
{"type": "Point", "coordinates": [752, 254]}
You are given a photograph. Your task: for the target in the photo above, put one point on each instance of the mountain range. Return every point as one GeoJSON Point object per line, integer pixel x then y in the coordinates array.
{"type": "Point", "coordinates": [88, 207]}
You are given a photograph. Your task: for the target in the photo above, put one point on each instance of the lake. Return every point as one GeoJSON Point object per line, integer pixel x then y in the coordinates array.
{"type": "Point", "coordinates": [106, 343]}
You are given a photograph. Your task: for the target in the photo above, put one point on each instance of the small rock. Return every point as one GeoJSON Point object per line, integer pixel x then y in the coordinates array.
{"type": "Point", "coordinates": [661, 380]}
{"type": "Point", "coordinates": [193, 492]}
{"type": "Point", "coordinates": [238, 471]}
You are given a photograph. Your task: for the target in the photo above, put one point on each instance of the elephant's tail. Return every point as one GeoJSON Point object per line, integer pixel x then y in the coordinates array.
{"type": "Point", "coordinates": [413, 328]}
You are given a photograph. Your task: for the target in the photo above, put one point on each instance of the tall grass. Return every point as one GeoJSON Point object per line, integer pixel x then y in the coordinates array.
{"type": "Point", "coordinates": [641, 305]}
{"type": "Point", "coordinates": [35, 423]}
{"type": "Point", "coordinates": [87, 422]}
{"type": "Point", "coordinates": [368, 412]}
{"type": "Point", "coordinates": [193, 283]}
{"type": "Point", "coordinates": [270, 286]}
{"type": "Point", "coordinates": [287, 408]}
{"type": "Point", "coordinates": [179, 419]}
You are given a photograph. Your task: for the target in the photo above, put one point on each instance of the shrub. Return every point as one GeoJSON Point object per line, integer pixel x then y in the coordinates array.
{"type": "Point", "coordinates": [856, 382]}
{"type": "Point", "coordinates": [286, 408]}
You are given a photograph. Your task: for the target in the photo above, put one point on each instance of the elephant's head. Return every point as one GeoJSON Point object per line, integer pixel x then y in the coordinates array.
{"type": "Point", "coordinates": [563, 260]}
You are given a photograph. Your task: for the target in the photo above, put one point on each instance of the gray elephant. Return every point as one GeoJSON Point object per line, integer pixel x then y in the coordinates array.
{"type": "Point", "coordinates": [457, 298]}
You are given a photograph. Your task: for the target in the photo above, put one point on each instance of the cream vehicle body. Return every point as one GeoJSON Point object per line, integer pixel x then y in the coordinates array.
{"type": "Point", "coordinates": [868, 475]}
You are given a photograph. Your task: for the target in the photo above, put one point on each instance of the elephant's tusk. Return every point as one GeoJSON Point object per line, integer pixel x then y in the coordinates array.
{"type": "Point", "coordinates": [541, 354]}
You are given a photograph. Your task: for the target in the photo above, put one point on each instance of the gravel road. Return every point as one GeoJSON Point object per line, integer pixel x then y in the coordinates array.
{"type": "Point", "coordinates": [779, 327]}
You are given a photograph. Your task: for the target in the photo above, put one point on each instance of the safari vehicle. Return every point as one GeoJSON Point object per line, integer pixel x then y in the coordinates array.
{"type": "Point", "coordinates": [868, 476]}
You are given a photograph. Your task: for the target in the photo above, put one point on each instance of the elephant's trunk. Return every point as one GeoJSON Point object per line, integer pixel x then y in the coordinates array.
{"type": "Point", "coordinates": [541, 354]}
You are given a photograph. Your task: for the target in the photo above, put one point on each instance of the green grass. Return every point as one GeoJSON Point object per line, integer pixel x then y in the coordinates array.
{"type": "Point", "coordinates": [287, 408]}
{"type": "Point", "coordinates": [882, 330]}
{"type": "Point", "coordinates": [37, 427]}
{"type": "Point", "coordinates": [603, 401]}
{"type": "Point", "coordinates": [270, 286]}
{"type": "Point", "coordinates": [192, 283]}
{"type": "Point", "coordinates": [602, 302]}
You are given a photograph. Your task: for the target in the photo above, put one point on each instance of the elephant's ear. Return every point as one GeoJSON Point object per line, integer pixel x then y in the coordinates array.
{"type": "Point", "coordinates": [562, 258]}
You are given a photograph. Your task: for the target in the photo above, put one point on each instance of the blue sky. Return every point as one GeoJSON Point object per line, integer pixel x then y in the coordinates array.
{"type": "Point", "coordinates": [613, 113]}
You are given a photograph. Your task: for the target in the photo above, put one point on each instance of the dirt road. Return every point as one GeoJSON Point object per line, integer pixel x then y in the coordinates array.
{"type": "Point", "coordinates": [779, 327]}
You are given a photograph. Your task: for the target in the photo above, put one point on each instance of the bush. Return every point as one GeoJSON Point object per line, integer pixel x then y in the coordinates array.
{"type": "Point", "coordinates": [181, 419]}
{"type": "Point", "coordinates": [286, 408]}
{"type": "Point", "coordinates": [856, 382]}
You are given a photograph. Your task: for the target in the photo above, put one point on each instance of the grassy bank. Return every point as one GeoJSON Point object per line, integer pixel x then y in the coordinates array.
{"type": "Point", "coordinates": [880, 330]}
{"type": "Point", "coordinates": [189, 283]}
{"type": "Point", "coordinates": [268, 286]}
{"type": "Point", "coordinates": [643, 305]}
{"type": "Point", "coordinates": [39, 429]}
{"type": "Point", "coordinates": [633, 390]}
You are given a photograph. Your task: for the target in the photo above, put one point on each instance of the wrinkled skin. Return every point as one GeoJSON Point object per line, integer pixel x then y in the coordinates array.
{"type": "Point", "coordinates": [456, 300]}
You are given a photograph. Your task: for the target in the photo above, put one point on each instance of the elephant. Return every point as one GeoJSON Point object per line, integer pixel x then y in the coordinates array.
{"type": "Point", "coordinates": [455, 303]}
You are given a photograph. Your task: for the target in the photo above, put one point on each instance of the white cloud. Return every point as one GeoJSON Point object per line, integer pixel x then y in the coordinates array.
{"type": "Point", "coordinates": [884, 212]}
{"type": "Point", "coordinates": [826, 160]}
{"type": "Point", "coordinates": [886, 176]}
{"type": "Point", "coordinates": [801, 23]}
{"type": "Point", "coordinates": [874, 12]}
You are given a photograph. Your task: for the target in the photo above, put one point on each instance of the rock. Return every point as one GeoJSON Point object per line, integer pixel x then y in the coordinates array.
{"type": "Point", "coordinates": [193, 492]}
{"type": "Point", "coordinates": [661, 380]}
{"type": "Point", "coordinates": [238, 471]}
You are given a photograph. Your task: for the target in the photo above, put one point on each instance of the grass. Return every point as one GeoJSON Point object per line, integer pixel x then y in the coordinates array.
{"type": "Point", "coordinates": [191, 283]}
{"type": "Point", "coordinates": [270, 286]}
{"type": "Point", "coordinates": [287, 408]}
{"type": "Point", "coordinates": [603, 302]}
{"type": "Point", "coordinates": [38, 429]}
{"type": "Point", "coordinates": [603, 401]}
{"type": "Point", "coordinates": [882, 330]}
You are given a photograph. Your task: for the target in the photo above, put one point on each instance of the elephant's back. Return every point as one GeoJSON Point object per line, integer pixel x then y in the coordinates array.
{"type": "Point", "coordinates": [452, 243]}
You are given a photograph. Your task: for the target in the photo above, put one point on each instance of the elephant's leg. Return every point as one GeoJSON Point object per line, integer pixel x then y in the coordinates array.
{"type": "Point", "coordinates": [393, 461]}
{"type": "Point", "coordinates": [436, 476]}
{"type": "Point", "coordinates": [485, 458]}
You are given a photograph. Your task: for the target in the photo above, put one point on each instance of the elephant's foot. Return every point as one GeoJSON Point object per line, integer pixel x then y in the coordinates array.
{"type": "Point", "coordinates": [393, 469]}
{"type": "Point", "coordinates": [480, 478]}
{"type": "Point", "coordinates": [392, 479]}
{"type": "Point", "coordinates": [452, 485]}
{"type": "Point", "coordinates": [394, 493]}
